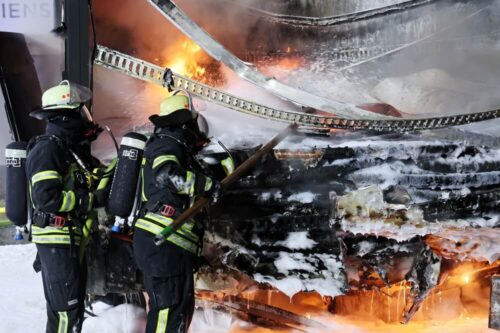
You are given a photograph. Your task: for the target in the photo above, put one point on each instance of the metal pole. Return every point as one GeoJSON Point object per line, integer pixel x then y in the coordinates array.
{"type": "Point", "coordinates": [77, 68]}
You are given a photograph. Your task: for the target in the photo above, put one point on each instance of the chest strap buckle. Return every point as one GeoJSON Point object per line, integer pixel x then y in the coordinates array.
{"type": "Point", "coordinates": [58, 221]}
{"type": "Point", "coordinates": [167, 211]}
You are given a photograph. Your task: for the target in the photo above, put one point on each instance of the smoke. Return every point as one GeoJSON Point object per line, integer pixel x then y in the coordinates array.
{"type": "Point", "coordinates": [435, 60]}
{"type": "Point", "coordinates": [446, 61]}
{"type": "Point", "coordinates": [138, 29]}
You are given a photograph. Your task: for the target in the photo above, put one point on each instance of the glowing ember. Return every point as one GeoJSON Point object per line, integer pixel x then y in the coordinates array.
{"type": "Point", "coordinates": [306, 157]}
{"type": "Point", "coordinates": [281, 65]}
{"type": "Point", "coordinates": [290, 63]}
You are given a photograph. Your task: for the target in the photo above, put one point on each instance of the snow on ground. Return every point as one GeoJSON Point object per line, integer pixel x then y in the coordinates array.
{"type": "Point", "coordinates": [22, 309]}
{"type": "Point", "coordinates": [122, 318]}
{"type": "Point", "coordinates": [22, 305]}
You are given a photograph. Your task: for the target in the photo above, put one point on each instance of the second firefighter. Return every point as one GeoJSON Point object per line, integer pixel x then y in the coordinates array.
{"type": "Point", "coordinates": [170, 183]}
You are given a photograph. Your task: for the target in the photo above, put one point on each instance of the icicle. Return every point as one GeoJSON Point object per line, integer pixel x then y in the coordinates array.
{"type": "Point", "coordinates": [388, 307]}
{"type": "Point", "coordinates": [371, 302]}
{"type": "Point", "coordinates": [404, 298]}
{"type": "Point", "coordinates": [399, 297]}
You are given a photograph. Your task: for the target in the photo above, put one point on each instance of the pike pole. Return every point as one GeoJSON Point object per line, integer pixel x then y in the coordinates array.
{"type": "Point", "coordinates": [225, 183]}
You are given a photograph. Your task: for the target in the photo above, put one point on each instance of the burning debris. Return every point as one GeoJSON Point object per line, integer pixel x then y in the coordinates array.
{"type": "Point", "coordinates": [298, 240]}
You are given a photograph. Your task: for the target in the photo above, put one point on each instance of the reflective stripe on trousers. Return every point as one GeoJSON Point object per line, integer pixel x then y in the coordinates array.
{"type": "Point", "coordinates": [63, 322]}
{"type": "Point", "coordinates": [161, 327]}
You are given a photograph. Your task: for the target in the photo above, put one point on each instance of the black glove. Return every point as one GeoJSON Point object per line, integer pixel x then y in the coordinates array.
{"type": "Point", "coordinates": [207, 187]}
{"type": "Point", "coordinates": [37, 264]}
{"type": "Point", "coordinates": [168, 79]}
{"type": "Point", "coordinates": [215, 192]}
{"type": "Point", "coordinates": [84, 201]}
{"type": "Point", "coordinates": [101, 195]}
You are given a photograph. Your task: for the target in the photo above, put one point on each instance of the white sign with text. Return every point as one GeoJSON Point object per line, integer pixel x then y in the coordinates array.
{"type": "Point", "coordinates": [27, 16]}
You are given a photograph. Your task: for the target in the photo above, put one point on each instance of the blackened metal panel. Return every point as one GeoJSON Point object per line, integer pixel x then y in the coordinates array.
{"type": "Point", "coordinates": [77, 67]}
{"type": "Point", "coordinates": [20, 85]}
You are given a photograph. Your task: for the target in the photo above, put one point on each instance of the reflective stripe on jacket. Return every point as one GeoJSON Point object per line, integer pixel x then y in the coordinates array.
{"type": "Point", "coordinates": [184, 237]}
{"type": "Point", "coordinates": [167, 179]}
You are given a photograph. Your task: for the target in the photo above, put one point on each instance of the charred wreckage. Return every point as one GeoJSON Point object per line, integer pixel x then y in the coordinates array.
{"type": "Point", "coordinates": [402, 206]}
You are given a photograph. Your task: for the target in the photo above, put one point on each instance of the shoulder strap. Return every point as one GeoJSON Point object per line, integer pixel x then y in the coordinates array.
{"type": "Point", "coordinates": [44, 137]}
{"type": "Point", "coordinates": [50, 137]}
{"type": "Point", "coordinates": [192, 161]}
{"type": "Point", "coordinates": [171, 137]}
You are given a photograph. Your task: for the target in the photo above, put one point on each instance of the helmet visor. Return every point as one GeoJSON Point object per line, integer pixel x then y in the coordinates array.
{"type": "Point", "coordinates": [202, 125]}
{"type": "Point", "coordinates": [86, 115]}
{"type": "Point", "coordinates": [77, 93]}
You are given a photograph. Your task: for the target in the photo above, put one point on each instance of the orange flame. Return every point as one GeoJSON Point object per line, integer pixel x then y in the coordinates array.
{"type": "Point", "coordinates": [187, 58]}
{"type": "Point", "coordinates": [453, 303]}
{"type": "Point", "coordinates": [289, 63]}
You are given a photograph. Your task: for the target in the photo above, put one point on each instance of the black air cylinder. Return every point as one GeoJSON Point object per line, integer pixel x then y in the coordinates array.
{"type": "Point", "coordinates": [16, 204]}
{"type": "Point", "coordinates": [124, 186]}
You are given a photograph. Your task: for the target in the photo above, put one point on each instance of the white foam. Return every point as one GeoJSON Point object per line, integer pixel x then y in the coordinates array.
{"type": "Point", "coordinates": [298, 241]}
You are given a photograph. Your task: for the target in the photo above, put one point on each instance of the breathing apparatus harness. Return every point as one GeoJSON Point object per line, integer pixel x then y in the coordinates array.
{"type": "Point", "coordinates": [44, 219]}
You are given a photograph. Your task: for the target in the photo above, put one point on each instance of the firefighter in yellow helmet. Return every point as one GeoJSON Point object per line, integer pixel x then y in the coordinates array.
{"type": "Point", "coordinates": [171, 182]}
{"type": "Point", "coordinates": [63, 193]}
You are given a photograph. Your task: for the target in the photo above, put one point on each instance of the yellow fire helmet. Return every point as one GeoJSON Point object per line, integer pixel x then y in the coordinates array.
{"type": "Point", "coordinates": [175, 110]}
{"type": "Point", "coordinates": [62, 98]}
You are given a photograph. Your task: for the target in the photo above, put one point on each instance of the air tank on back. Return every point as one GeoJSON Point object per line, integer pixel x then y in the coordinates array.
{"type": "Point", "coordinates": [124, 187]}
{"type": "Point", "coordinates": [16, 197]}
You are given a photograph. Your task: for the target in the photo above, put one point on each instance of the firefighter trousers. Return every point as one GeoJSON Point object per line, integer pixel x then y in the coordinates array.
{"type": "Point", "coordinates": [64, 288]}
{"type": "Point", "coordinates": [169, 281]}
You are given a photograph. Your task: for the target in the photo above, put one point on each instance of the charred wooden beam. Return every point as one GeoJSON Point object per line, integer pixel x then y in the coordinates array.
{"type": "Point", "coordinates": [255, 312]}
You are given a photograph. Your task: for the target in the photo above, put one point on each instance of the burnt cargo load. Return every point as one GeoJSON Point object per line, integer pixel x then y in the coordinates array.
{"type": "Point", "coordinates": [312, 216]}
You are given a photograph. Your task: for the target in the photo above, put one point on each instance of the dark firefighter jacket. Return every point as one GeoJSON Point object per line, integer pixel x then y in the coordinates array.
{"type": "Point", "coordinates": [59, 189]}
{"type": "Point", "coordinates": [170, 185]}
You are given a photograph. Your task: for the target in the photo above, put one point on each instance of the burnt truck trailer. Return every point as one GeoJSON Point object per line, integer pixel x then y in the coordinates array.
{"type": "Point", "coordinates": [367, 201]}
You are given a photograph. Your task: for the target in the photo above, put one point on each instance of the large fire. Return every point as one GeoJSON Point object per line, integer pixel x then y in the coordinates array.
{"type": "Point", "coordinates": [187, 58]}
{"type": "Point", "coordinates": [460, 303]}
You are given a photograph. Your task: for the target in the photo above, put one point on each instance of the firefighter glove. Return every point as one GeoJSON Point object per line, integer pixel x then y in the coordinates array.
{"type": "Point", "coordinates": [84, 202]}
{"type": "Point", "coordinates": [215, 192]}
